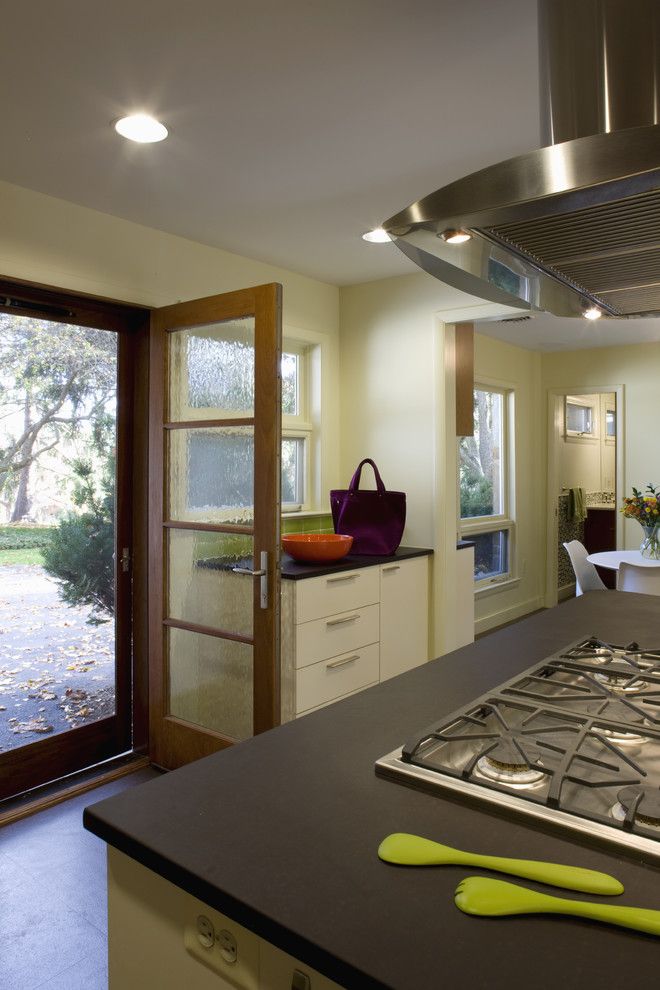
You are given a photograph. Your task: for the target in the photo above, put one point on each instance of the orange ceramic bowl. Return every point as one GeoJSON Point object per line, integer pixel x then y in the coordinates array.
{"type": "Point", "coordinates": [317, 548]}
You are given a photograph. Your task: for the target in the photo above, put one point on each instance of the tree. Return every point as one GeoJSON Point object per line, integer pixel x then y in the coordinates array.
{"type": "Point", "coordinates": [53, 378]}
{"type": "Point", "coordinates": [81, 553]}
{"type": "Point", "coordinates": [478, 455]}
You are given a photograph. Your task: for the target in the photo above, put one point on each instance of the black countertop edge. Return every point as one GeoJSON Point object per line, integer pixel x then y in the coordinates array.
{"type": "Point", "coordinates": [295, 571]}
{"type": "Point", "coordinates": [464, 544]}
{"type": "Point", "coordinates": [247, 915]}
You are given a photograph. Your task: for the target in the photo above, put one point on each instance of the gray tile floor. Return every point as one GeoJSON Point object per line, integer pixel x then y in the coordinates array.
{"type": "Point", "coordinates": [53, 918]}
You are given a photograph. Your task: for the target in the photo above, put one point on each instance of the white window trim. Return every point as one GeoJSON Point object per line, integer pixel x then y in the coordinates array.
{"type": "Point", "coordinates": [300, 426]}
{"type": "Point", "coordinates": [605, 407]}
{"type": "Point", "coordinates": [476, 525]}
{"type": "Point", "coordinates": [575, 436]}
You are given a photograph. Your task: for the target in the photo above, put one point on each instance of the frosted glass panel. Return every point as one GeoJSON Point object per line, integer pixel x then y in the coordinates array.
{"type": "Point", "coordinates": [212, 474]}
{"type": "Point", "coordinates": [210, 682]}
{"type": "Point", "coordinates": [203, 588]}
{"type": "Point", "coordinates": [212, 371]}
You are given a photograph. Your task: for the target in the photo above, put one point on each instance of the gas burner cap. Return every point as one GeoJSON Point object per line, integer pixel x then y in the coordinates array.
{"type": "Point", "coordinates": [648, 808]}
{"type": "Point", "coordinates": [620, 680]}
{"type": "Point", "coordinates": [520, 774]}
{"type": "Point", "coordinates": [622, 738]}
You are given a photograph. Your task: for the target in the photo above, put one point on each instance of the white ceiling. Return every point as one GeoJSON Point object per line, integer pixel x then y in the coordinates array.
{"type": "Point", "coordinates": [296, 125]}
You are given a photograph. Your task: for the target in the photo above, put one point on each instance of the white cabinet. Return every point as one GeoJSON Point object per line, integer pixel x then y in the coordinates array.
{"type": "Point", "coordinates": [347, 631]}
{"type": "Point", "coordinates": [404, 611]}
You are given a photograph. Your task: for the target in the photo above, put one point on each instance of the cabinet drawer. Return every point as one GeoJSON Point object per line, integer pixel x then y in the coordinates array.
{"type": "Point", "coordinates": [328, 637]}
{"type": "Point", "coordinates": [331, 679]}
{"type": "Point", "coordinates": [333, 593]}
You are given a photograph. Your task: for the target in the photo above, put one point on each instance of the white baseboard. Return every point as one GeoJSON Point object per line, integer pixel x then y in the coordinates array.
{"type": "Point", "coordinates": [507, 615]}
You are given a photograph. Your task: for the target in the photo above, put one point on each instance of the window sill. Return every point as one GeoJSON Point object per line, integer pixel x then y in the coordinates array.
{"type": "Point", "coordinates": [494, 588]}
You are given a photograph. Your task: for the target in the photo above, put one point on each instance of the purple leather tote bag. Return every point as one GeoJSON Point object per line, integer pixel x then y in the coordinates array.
{"type": "Point", "coordinates": [375, 519]}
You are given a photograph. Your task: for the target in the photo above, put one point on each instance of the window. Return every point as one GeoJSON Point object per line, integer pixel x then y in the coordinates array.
{"type": "Point", "coordinates": [485, 483]}
{"type": "Point", "coordinates": [610, 423]}
{"type": "Point", "coordinates": [220, 461]}
{"type": "Point", "coordinates": [296, 427]}
{"type": "Point", "coordinates": [580, 418]}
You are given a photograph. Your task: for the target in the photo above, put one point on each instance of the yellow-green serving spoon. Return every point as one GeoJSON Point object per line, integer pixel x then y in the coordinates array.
{"type": "Point", "coordinates": [484, 896]}
{"type": "Point", "coordinates": [413, 850]}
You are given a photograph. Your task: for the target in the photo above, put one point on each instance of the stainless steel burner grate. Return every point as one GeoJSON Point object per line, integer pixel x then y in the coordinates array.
{"type": "Point", "coordinates": [575, 739]}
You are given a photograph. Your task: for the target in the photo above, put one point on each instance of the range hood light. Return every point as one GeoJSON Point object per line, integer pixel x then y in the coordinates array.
{"type": "Point", "coordinates": [377, 236]}
{"type": "Point", "coordinates": [592, 313]}
{"type": "Point", "coordinates": [455, 236]}
{"type": "Point", "coordinates": [574, 224]}
{"type": "Point", "coordinates": [141, 127]}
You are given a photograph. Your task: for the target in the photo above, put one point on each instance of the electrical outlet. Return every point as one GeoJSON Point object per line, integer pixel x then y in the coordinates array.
{"type": "Point", "coordinates": [228, 949]}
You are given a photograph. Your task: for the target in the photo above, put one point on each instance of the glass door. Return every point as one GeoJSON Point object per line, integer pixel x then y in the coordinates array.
{"type": "Point", "coordinates": [215, 501]}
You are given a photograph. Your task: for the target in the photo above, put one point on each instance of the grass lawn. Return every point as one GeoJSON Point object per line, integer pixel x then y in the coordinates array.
{"type": "Point", "coordinates": [26, 556]}
{"type": "Point", "coordinates": [23, 544]}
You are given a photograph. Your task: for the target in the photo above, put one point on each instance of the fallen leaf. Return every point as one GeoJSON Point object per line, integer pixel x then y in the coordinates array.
{"type": "Point", "coordinates": [33, 725]}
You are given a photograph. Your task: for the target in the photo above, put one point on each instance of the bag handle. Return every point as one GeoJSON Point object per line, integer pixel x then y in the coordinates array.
{"type": "Point", "coordinates": [355, 480]}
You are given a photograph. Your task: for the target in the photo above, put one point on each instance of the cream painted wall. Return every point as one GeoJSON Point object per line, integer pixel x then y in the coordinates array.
{"type": "Point", "coordinates": [637, 368]}
{"type": "Point", "coordinates": [397, 407]}
{"type": "Point", "coordinates": [48, 240]}
{"type": "Point", "coordinates": [53, 242]}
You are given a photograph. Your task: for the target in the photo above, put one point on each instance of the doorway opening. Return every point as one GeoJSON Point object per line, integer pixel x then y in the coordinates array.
{"type": "Point", "coordinates": [585, 479]}
{"type": "Point", "coordinates": [65, 538]}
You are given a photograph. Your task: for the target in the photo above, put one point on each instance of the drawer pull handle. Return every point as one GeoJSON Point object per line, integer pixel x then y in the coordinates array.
{"type": "Point", "coordinates": [342, 577]}
{"type": "Point", "coordinates": [339, 622]}
{"type": "Point", "coordinates": [392, 567]}
{"type": "Point", "coordinates": [342, 663]}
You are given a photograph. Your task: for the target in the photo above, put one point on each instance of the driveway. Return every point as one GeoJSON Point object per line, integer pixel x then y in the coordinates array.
{"type": "Point", "coordinates": [56, 672]}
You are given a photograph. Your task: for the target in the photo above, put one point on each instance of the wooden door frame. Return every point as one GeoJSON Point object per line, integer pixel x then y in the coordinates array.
{"type": "Point", "coordinates": [264, 303]}
{"type": "Point", "coordinates": [130, 731]}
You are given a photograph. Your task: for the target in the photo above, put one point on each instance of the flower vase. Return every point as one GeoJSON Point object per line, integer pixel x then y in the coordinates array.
{"type": "Point", "coordinates": [650, 546]}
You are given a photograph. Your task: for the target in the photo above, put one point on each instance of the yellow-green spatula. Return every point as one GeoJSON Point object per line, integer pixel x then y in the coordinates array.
{"type": "Point", "coordinates": [484, 896]}
{"type": "Point", "coordinates": [413, 850]}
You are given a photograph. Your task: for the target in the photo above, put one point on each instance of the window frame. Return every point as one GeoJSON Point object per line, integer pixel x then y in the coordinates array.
{"type": "Point", "coordinates": [300, 426]}
{"type": "Point", "coordinates": [577, 436]}
{"type": "Point", "coordinates": [607, 409]}
{"type": "Point", "coordinates": [503, 521]}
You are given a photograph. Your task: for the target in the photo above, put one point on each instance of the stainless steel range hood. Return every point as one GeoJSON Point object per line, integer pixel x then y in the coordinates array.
{"type": "Point", "coordinates": [576, 223]}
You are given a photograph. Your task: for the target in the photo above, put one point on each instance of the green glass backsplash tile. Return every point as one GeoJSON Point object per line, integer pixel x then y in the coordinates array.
{"type": "Point", "coordinates": [313, 524]}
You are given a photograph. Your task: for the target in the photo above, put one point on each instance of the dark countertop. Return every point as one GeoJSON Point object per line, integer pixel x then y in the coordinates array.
{"type": "Point", "coordinates": [293, 570]}
{"type": "Point", "coordinates": [280, 833]}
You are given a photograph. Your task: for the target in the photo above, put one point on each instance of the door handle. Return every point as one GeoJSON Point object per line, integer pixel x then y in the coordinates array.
{"type": "Point", "coordinates": [262, 573]}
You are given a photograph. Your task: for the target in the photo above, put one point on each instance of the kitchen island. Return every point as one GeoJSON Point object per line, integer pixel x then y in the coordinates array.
{"type": "Point", "coordinates": [280, 834]}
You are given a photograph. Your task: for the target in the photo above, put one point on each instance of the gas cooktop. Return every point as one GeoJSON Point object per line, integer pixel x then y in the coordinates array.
{"type": "Point", "coordinates": [573, 740]}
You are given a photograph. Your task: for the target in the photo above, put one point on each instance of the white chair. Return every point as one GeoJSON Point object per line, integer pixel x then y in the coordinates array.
{"type": "Point", "coordinates": [635, 577]}
{"type": "Point", "coordinates": [586, 575]}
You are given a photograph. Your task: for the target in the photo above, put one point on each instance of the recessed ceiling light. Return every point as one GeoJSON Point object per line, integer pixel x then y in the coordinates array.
{"type": "Point", "coordinates": [592, 313]}
{"type": "Point", "coordinates": [455, 236]}
{"type": "Point", "coordinates": [376, 236]}
{"type": "Point", "coordinates": [142, 128]}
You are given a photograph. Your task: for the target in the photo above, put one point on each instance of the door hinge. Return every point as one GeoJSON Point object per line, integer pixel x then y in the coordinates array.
{"type": "Point", "coordinates": [125, 559]}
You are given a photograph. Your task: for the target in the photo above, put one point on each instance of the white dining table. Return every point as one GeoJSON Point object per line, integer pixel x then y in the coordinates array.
{"type": "Point", "coordinates": [610, 559]}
